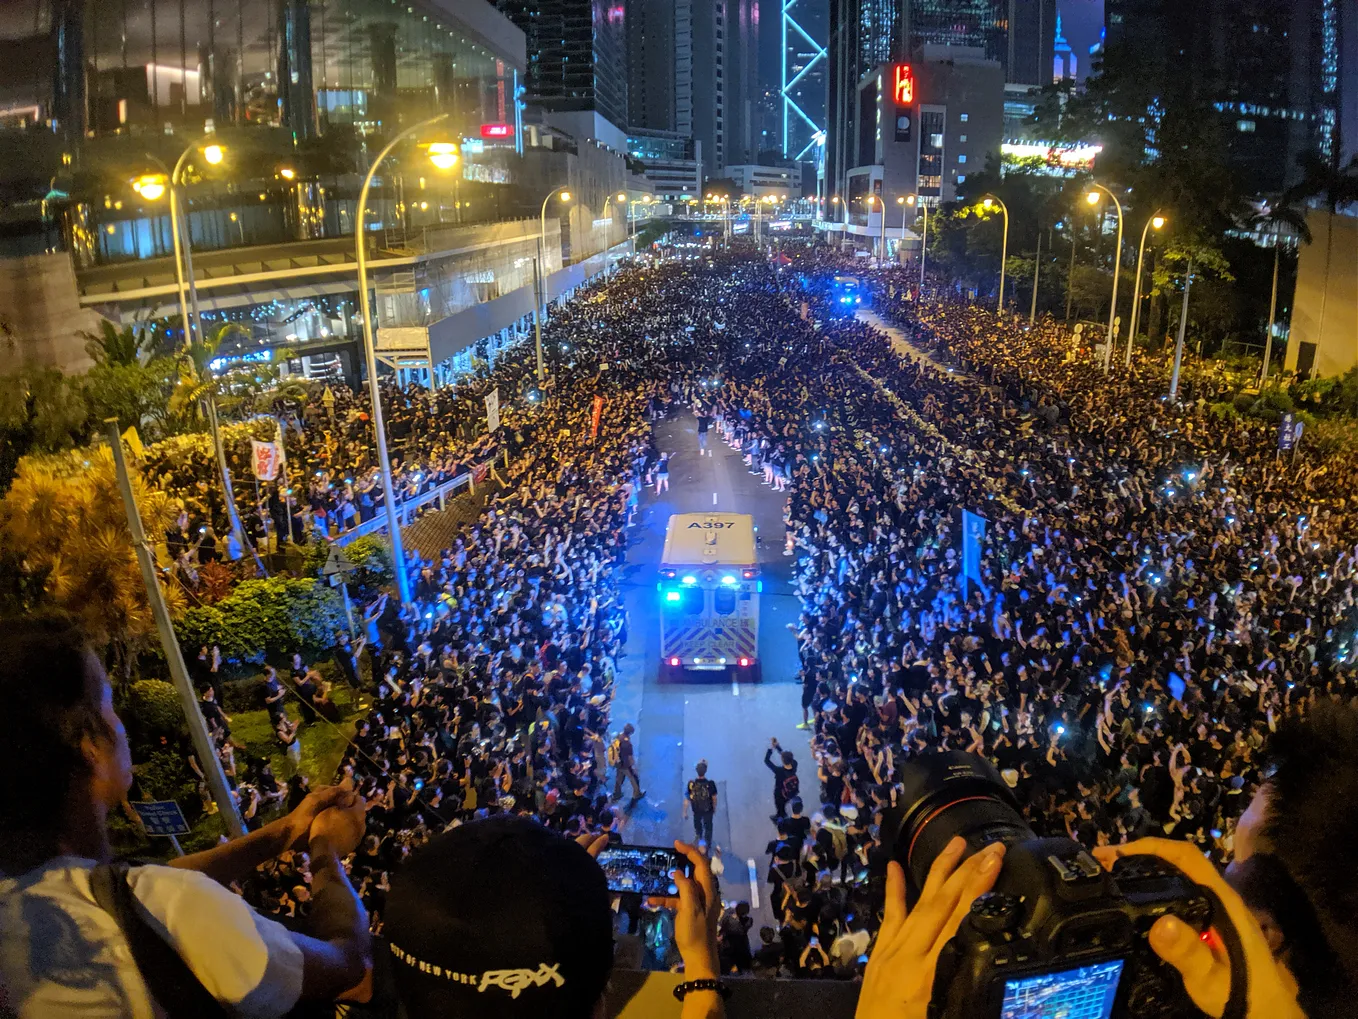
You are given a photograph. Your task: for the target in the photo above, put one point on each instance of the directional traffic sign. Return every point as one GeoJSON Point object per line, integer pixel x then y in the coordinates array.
{"type": "Point", "coordinates": [162, 817]}
{"type": "Point", "coordinates": [337, 562]}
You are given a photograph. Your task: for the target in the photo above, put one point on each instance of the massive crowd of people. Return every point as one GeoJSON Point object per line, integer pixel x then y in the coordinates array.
{"type": "Point", "coordinates": [1156, 588]}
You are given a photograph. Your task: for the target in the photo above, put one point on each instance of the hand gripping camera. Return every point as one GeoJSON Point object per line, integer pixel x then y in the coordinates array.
{"type": "Point", "coordinates": [1058, 935]}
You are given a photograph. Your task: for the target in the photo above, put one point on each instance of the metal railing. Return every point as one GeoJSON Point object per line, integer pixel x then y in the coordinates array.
{"type": "Point", "coordinates": [408, 509]}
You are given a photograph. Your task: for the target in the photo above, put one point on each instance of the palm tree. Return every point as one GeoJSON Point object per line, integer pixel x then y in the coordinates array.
{"type": "Point", "coordinates": [114, 346]}
{"type": "Point", "coordinates": [1277, 217]}
{"type": "Point", "coordinates": [1335, 187]}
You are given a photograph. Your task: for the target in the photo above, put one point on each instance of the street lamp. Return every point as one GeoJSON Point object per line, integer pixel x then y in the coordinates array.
{"type": "Point", "coordinates": [918, 201]}
{"type": "Point", "coordinates": [632, 213]}
{"type": "Point", "coordinates": [1092, 198]}
{"type": "Point", "coordinates": [370, 351]}
{"type": "Point", "coordinates": [152, 187]}
{"type": "Point", "coordinates": [881, 202]}
{"type": "Point", "coordinates": [541, 275]}
{"type": "Point", "coordinates": [903, 203]}
{"type": "Point", "coordinates": [988, 203]}
{"type": "Point", "coordinates": [1157, 221]}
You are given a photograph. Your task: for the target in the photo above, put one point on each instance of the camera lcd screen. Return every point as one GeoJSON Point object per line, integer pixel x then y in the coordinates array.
{"type": "Point", "coordinates": [1083, 993]}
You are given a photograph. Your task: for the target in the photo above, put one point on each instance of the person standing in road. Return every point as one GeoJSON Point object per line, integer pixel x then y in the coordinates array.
{"type": "Point", "coordinates": [704, 423]}
{"type": "Point", "coordinates": [786, 784]}
{"type": "Point", "coordinates": [701, 798]}
{"type": "Point", "coordinates": [662, 474]}
{"type": "Point", "coordinates": [623, 758]}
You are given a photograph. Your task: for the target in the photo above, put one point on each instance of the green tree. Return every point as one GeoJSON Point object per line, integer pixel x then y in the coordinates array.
{"type": "Point", "coordinates": [64, 521]}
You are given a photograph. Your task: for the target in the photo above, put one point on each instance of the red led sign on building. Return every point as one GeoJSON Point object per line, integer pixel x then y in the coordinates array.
{"type": "Point", "coordinates": [903, 84]}
{"type": "Point", "coordinates": [497, 130]}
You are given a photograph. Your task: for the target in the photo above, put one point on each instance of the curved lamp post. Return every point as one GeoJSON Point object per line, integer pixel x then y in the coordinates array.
{"type": "Point", "coordinates": [153, 187]}
{"type": "Point", "coordinates": [1158, 220]}
{"type": "Point", "coordinates": [881, 203]}
{"type": "Point", "coordinates": [632, 215]}
{"type": "Point", "coordinates": [542, 278]}
{"type": "Point", "coordinates": [443, 156]}
{"type": "Point", "coordinates": [1092, 198]}
{"type": "Point", "coordinates": [989, 202]}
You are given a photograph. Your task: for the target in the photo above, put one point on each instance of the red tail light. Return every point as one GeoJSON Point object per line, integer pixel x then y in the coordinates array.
{"type": "Point", "coordinates": [744, 661]}
{"type": "Point", "coordinates": [747, 574]}
{"type": "Point", "coordinates": [674, 661]}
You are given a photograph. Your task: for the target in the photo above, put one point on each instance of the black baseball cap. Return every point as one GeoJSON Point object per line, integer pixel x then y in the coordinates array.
{"type": "Point", "coordinates": [499, 917]}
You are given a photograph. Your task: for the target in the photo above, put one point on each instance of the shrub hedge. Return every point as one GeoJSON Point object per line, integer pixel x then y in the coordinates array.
{"type": "Point", "coordinates": [266, 619]}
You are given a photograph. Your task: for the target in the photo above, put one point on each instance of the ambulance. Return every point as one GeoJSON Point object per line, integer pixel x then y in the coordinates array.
{"type": "Point", "coordinates": [709, 594]}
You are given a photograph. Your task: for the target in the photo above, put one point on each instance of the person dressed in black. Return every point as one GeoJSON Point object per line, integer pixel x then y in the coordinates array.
{"type": "Point", "coordinates": [704, 423]}
{"type": "Point", "coordinates": [701, 798]}
{"type": "Point", "coordinates": [786, 785]}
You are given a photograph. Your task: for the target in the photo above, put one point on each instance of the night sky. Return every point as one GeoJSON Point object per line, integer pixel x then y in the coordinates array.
{"type": "Point", "coordinates": [1082, 24]}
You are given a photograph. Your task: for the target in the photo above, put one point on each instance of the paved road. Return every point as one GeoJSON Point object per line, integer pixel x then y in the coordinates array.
{"type": "Point", "coordinates": [707, 716]}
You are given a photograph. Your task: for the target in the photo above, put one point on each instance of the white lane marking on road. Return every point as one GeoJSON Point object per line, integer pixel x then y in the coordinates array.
{"type": "Point", "coordinates": [735, 688]}
{"type": "Point", "coordinates": [714, 498]}
{"type": "Point", "coordinates": [754, 884]}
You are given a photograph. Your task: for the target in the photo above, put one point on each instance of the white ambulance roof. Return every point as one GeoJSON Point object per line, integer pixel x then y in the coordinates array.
{"type": "Point", "coordinates": [710, 539]}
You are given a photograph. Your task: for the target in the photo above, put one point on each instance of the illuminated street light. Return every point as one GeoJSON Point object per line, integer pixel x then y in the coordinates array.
{"type": "Point", "coordinates": [443, 155]}
{"type": "Point", "coordinates": [1093, 199]}
{"type": "Point", "coordinates": [287, 173]}
{"type": "Point", "coordinates": [1157, 222]}
{"type": "Point", "coordinates": [150, 186]}
{"type": "Point", "coordinates": [438, 149]}
{"type": "Point", "coordinates": [214, 153]}
{"type": "Point", "coordinates": [540, 275]}
{"type": "Point", "coordinates": [989, 202]}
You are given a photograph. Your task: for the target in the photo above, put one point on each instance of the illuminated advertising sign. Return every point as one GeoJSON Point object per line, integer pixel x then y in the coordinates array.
{"type": "Point", "coordinates": [471, 146]}
{"type": "Point", "coordinates": [497, 130]}
{"type": "Point", "coordinates": [903, 85]}
{"type": "Point", "coordinates": [1059, 160]}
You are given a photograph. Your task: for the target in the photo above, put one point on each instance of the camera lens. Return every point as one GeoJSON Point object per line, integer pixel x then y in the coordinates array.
{"type": "Point", "coordinates": [946, 795]}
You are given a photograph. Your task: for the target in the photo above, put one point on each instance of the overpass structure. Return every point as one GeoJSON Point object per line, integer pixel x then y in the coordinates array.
{"type": "Point", "coordinates": [440, 296]}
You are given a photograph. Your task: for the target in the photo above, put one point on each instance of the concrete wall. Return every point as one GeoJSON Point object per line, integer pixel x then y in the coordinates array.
{"type": "Point", "coordinates": [1335, 350]}
{"type": "Point", "coordinates": [40, 309]}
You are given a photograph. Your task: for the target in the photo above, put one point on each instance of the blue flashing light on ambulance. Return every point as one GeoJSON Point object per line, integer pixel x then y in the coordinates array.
{"type": "Point", "coordinates": [709, 590]}
{"type": "Point", "coordinates": [847, 293]}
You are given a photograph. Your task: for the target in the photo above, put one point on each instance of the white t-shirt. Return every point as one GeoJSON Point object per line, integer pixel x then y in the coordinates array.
{"type": "Point", "coordinates": [62, 955]}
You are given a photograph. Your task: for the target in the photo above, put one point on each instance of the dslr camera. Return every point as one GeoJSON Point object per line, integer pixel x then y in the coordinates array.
{"type": "Point", "coordinates": [1058, 935]}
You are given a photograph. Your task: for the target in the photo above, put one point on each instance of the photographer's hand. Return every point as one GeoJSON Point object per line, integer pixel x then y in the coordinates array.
{"type": "Point", "coordinates": [1203, 964]}
{"type": "Point", "coordinates": [900, 975]}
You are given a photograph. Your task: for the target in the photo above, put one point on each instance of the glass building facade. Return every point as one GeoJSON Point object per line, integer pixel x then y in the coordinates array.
{"type": "Point", "coordinates": [303, 65]}
{"type": "Point", "coordinates": [303, 93]}
{"type": "Point", "coordinates": [578, 54]}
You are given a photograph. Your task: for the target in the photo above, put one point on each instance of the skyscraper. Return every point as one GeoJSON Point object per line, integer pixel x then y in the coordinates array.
{"type": "Point", "coordinates": [863, 34]}
{"type": "Point", "coordinates": [1282, 77]}
{"type": "Point", "coordinates": [1032, 40]}
{"type": "Point", "coordinates": [650, 65]}
{"type": "Point", "coordinates": [576, 55]}
{"type": "Point", "coordinates": [805, 34]}
{"type": "Point", "coordinates": [983, 24]}
{"type": "Point", "coordinates": [716, 85]}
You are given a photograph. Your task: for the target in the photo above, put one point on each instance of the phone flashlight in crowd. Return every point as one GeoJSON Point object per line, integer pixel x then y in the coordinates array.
{"type": "Point", "coordinates": [202, 530]}
{"type": "Point", "coordinates": [1060, 730]}
{"type": "Point", "coordinates": [1215, 833]}
{"type": "Point", "coordinates": [1149, 708]}
{"type": "Point", "coordinates": [419, 784]}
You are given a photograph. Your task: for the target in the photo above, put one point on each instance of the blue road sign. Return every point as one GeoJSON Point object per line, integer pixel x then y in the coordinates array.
{"type": "Point", "coordinates": [162, 817]}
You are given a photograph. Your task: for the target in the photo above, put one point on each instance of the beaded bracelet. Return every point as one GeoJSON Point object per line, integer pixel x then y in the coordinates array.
{"type": "Point", "coordinates": [702, 985]}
